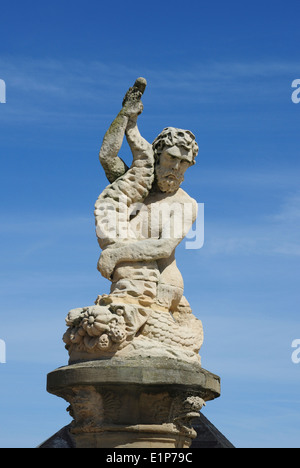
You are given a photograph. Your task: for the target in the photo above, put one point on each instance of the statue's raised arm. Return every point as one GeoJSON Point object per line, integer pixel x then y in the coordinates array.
{"type": "Point", "coordinates": [126, 121]}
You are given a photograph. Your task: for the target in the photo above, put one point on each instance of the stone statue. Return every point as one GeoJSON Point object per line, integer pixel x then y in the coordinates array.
{"type": "Point", "coordinates": [141, 217]}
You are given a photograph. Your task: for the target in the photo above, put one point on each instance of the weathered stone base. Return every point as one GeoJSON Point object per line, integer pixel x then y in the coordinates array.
{"type": "Point", "coordinates": [138, 439]}
{"type": "Point", "coordinates": [133, 403]}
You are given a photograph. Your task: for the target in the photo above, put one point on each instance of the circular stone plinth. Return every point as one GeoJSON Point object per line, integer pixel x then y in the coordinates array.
{"type": "Point", "coordinates": [146, 372]}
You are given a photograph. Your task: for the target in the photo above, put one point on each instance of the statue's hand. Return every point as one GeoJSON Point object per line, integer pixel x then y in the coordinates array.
{"type": "Point", "coordinates": [132, 105]}
{"type": "Point", "coordinates": [132, 109]}
{"type": "Point", "coordinates": [107, 263]}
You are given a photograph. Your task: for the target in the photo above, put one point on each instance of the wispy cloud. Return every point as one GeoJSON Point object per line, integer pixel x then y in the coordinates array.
{"type": "Point", "coordinates": [276, 233]}
{"type": "Point", "coordinates": [40, 88]}
{"type": "Point", "coordinates": [249, 335]}
{"type": "Point", "coordinates": [290, 210]}
{"type": "Point", "coordinates": [258, 179]}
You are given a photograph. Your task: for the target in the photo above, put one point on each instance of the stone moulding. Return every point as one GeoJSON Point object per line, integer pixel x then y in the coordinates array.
{"type": "Point", "coordinates": [133, 402]}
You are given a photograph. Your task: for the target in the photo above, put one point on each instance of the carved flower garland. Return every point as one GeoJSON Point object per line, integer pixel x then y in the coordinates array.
{"type": "Point", "coordinates": [93, 328]}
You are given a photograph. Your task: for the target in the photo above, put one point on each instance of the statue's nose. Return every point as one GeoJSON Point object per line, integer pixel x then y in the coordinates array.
{"type": "Point", "coordinates": [176, 164]}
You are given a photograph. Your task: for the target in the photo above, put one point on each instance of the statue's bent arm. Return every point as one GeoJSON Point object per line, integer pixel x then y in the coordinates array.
{"type": "Point", "coordinates": [144, 250]}
{"type": "Point", "coordinates": [141, 251]}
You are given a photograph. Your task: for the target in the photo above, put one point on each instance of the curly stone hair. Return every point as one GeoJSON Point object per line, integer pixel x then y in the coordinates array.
{"type": "Point", "coordinates": [171, 136]}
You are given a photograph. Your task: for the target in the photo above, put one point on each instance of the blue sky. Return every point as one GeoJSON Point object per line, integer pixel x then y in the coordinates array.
{"type": "Point", "coordinates": [221, 69]}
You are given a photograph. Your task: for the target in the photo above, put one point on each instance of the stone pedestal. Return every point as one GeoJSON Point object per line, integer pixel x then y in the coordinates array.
{"type": "Point", "coordinates": [133, 403]}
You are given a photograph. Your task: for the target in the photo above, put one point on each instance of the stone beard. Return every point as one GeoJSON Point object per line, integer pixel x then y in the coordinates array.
{"type": "Point", "coordinates": [167, 181]}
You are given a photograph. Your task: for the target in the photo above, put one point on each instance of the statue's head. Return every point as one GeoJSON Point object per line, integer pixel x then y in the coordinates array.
{"type": "Point", "coordinates": [174, 151]}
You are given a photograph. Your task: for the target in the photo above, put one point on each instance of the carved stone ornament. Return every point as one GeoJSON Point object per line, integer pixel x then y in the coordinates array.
{"type": "Point", "coordinates": [134, 377]}
{"type": "Point", "coordinates": [138, 228]}
{"type": "Point", "coordinates": [133, 402]}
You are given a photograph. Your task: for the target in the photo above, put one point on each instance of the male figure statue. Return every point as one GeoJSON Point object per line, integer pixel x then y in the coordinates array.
{"type": "Point", "coordinates": [141, 217]}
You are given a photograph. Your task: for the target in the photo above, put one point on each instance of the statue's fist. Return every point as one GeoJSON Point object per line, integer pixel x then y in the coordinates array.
{"type": "Point", "coordinates": [133, 108]}
{"type": "Point", "coordinates": [106, 263]}
{"type": "Point", "coordinates": [132, 104]}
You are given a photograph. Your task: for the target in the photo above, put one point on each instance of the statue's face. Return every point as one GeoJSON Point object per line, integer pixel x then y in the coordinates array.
{"type": "Point", "coordinates": [173, 163]}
